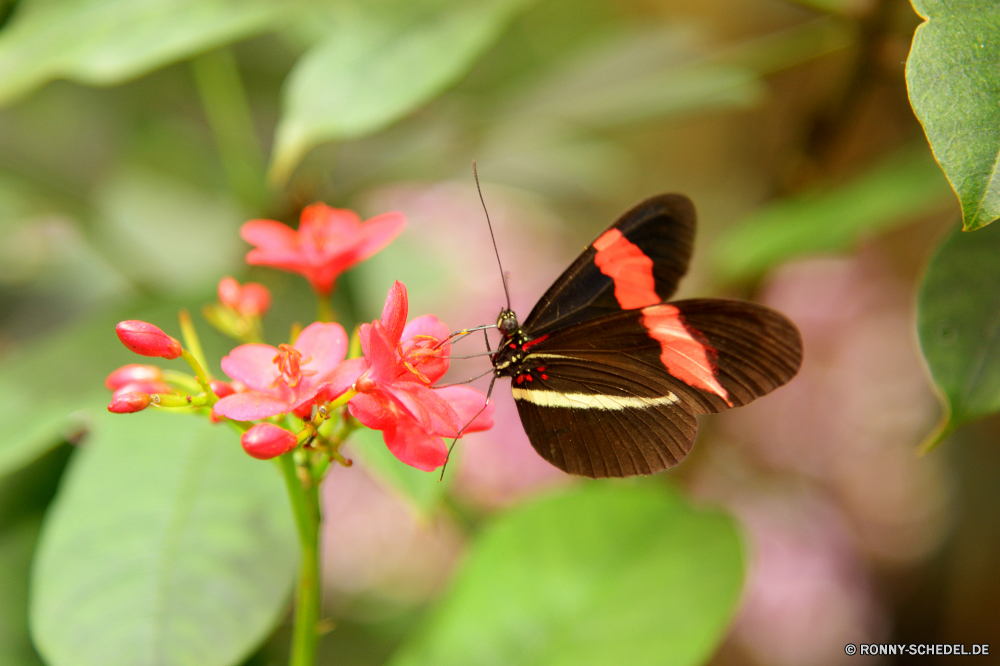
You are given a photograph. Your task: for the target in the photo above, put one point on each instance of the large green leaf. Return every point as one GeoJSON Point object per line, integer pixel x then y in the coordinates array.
{"type": "Point", "coordinates": [374, 68]}
{"type": "Point", "coordinates": [906, 185]}
{"type": "Point", "coordinates": [24, 497]}
{"type": "Point", "coordinates": [604, 573]}
{"type": "Point", "coordinates": [958, 320]}
{"type": "Point", "coordinates": [17, 543]}
{"type": "Point", "coordinates": [104, 42]}
{"type": "Point", "coordinates": [166, 545]}
{"type": "Point", "coordinates": [954, 86]}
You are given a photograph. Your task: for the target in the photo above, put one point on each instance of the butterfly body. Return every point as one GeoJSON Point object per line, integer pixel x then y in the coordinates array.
{"type": "Point", "coordinates": [608, 377]}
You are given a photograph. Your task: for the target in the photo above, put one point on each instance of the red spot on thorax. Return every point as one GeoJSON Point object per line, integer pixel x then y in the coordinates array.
{"type": "Point", "coordinates": [684, 357]}
{"type": "Point", "coordinates": [534, 342]}
{"type": "Point", "coordinates": [629, 268]}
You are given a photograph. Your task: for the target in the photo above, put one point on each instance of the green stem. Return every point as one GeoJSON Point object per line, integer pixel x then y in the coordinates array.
{"type": "Point", "coordinates": [305, 506]}
{"type": "Point", "coordinates": [324, 311]}
{"type": "Point", "coordinates": [217, 77]}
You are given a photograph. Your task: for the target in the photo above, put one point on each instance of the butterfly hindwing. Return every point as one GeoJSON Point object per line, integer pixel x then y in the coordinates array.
{"type": "Point", "coordinates": [617, 395]}
{"type": "Point", "coordinates": [658, 232]}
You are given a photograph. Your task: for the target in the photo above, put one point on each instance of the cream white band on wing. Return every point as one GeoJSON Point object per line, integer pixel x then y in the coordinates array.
{"type": "Point", "coordinates": [590, 400]}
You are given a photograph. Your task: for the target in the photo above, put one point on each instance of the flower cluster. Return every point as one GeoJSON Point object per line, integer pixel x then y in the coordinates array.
{"type": "Point", "coordinates": [308, 393]}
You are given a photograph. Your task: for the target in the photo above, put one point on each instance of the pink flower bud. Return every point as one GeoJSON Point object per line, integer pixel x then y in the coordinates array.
{"type": "Point", "coordinates": [133, 372]}
{"type": "Point", "coordinates": [147, 340]}
{"type": "Point", "coordinates": [266, 440]}
{"type": "Point", "coordinates": [249, 300]}
{"type": "Point", "coordinates": [221, 388]}
{"type": "Point", "coordinates": [229, 292]}
{"type": "Point", "coordinates": [142, 387]}
{"type": "Point", "coordinates": [127, 403]}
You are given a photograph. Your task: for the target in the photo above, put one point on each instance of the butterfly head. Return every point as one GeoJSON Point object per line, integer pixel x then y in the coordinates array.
{"type": "Point", "coordinates": [507, 322]}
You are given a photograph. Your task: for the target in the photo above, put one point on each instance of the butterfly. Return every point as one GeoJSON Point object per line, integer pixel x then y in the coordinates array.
{"type": "Point", "coordinates": [609, 377]}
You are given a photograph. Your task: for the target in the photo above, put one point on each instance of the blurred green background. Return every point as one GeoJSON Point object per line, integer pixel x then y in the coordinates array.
{"type": "Point", "coordinates": [135, 138]}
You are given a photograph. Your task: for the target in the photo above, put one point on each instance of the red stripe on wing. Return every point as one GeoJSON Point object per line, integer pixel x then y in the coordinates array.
{"type": "Point", "coordinates": [684, 357]}
{"type": "Point", "coordinates": [631, 270]}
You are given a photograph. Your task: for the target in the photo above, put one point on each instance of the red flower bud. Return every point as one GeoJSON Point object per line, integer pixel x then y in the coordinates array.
{"type": "Point", "coordinates": [127, 403]}
{"type": "Point", "coordinates": [221, 388]}
{"type": "Point", "coordinates": [142, 387]}
{"type": "Point", "coordinates": [266, 440]}
{"type": "Point", "coordinates": [249, 300]}
{"type": "Point", "coordinates": [133, 372]}
{"type": "Point", "coordinates": [147, 340]}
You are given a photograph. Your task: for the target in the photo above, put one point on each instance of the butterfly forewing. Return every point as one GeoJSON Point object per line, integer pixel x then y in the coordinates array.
{"type": "Point", "coordinates": [660, 228]}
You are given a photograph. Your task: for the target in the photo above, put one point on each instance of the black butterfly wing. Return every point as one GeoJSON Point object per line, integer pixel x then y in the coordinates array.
{"type": "Point", "coordinates": [658, 233]}
{"type": "Point", "coordinates": [618, 395]}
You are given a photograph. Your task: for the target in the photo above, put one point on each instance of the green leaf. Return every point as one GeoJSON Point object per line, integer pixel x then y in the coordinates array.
{"type": "Point", "coordinates": [906, 185]}
{"type": "Point", "coordinates": [604, 573]}
{"type": "Point", "coordinates": [958, 321]}
{"type": "Point", "coordinates": [17, 543]}
{"type": "Point", "coordinates": [372, 71]}
{"type": "Point", "coordinates": [24, 497]}
{"type": "Point", "coordinates": [954, 88]}
{"type": "Point", "coordinates": [166, 545]}
{"type": "Point", "coordinates": [105, 42]}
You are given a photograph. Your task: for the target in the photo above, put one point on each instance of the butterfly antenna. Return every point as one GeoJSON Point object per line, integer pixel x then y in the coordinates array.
{"type": "Point", "coordinates": [492, 237]}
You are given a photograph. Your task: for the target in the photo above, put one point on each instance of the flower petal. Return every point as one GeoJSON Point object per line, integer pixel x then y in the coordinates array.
{"type": "Point", "coordinates": [270, 237]}
{"type": "Point", "coordinates": [423, 332]}
{"type": "Point", "coordinates": [395, 311]}
{"type": "Point", "coordinates": [342, 378]}
{"type": "Point", "coordinates": [414, 446]}
{"type": "Point", "coordinates": [252, 364]}
{"type": "Point", "coordinates": [382, 357]}
{"type": "Point", "coordinates": [373, 411]}
{"type": "Point", "coordinates": [468, 405]}
{"type": "Point", "coordinates": [425, 325]}
{"type": "Point", "coordinates": [251, 406]}
{"type": "Point", "coordinates": [325, 344]}
{"type": "Point", "coordinates": [376, 233]}
{"type": "Point", "coordinates": [433, 413]}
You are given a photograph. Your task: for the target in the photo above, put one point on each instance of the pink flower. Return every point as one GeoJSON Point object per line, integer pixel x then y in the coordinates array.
{"type": "Point", "coordinates": [283, 379]}
{"type": "Point", "coordinates": [147, 340]}
{"type": "Point", "coordinates": [328, 242]}
{"type": "Point", "coordinates": [401, 362]}
{"type": "Point", "coordinates": [266, 440]}
{"type": "Point", "coordinates": [248, 300]}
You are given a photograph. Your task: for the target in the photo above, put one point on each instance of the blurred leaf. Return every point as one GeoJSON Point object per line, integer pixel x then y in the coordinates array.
{"type": "Point", "coordinates": [24, 497]}
{"type": "Point", "coordinates": [954, 87]}
{"type": "Point", "coordinates": [105, 42]}
{"type": "Point", "coordinates": [17, 544]}
{"type": "Point", "coordinates": [167, 234]}
{"type": "Point", "coordinates": [422, 489]}
{"type": "Point", "coordinates": [600, 574]}
{"type": "Point", "coordinates": [166, 545]}
{"type": "Point", "coordinates": [371, 71]}
{"type": "Point", "coordinates": [907, 184]}
{"type": "Point", "coordinates": [958, 321]}
{"type": "Point", "coordinates": [639, 74]}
